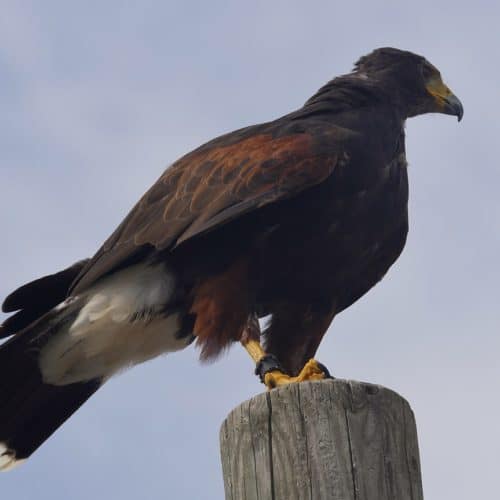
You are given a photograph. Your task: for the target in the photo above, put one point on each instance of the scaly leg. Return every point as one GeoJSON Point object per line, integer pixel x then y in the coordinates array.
{"type": "Point", "coordinates": [267, 365]}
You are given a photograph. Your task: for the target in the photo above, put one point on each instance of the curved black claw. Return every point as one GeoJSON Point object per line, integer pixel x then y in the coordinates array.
{"type": "Point", "coordinates": [267, 364]}
{"type": "Point", "coordinates": [325, 370]}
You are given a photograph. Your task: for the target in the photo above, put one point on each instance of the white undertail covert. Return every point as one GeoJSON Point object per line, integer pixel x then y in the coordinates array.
{"type": "Point", "coordinates": [122, 323]}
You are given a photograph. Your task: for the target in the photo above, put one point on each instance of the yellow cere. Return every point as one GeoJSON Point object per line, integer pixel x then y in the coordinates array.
{"type": "Point", "coordinates": [438, 89]}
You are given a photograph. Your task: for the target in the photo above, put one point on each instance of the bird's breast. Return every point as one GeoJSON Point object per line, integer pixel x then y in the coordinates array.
{"type": "Point", "coordinates": [342, 231]}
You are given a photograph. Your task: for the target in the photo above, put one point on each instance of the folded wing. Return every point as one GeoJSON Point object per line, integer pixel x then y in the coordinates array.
{"type": "Point", "coordinates": [211, 186]}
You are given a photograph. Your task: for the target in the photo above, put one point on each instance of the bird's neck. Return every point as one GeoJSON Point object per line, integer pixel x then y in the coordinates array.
{"type": "Point", "coordinates": [348, 92]}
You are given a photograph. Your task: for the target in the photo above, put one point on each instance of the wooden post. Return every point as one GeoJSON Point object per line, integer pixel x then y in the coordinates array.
{"type": "Point", "coordinates": [331, 440]}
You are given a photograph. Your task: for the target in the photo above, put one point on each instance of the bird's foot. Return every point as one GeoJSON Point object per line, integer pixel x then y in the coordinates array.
{"type": "Point", "coordinates": [272, 374]}
{"type": "Point", "coordinates": [312, 371]}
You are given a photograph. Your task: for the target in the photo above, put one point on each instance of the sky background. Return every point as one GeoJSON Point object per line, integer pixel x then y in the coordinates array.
{"type": "Point", "coordinates": [98, 97]}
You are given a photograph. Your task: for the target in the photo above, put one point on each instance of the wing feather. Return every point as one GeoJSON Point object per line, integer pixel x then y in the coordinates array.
{"type": "Point", "coordinates": [211, 186]}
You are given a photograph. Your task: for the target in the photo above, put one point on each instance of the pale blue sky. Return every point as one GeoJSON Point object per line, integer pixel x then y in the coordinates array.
{"type": "Point", "coordinates": [98, 97]}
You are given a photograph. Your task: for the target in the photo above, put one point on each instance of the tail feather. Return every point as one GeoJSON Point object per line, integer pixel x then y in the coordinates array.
{"type": "Point", "coordinates": [30, 409]}
{"type": "Point", "coordinates": [34, 299]}
{"type": "Point", "coordinates": [61, 348]}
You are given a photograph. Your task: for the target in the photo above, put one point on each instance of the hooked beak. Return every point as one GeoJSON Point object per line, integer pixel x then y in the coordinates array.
{"type": "Point", "coordinates": [453, 106]}
{"type": "Point", "coordinates": [446, 102]}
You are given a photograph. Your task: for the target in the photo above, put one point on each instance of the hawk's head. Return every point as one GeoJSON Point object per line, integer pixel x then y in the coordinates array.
{"type": "Point", "coordinates": [412, 81]}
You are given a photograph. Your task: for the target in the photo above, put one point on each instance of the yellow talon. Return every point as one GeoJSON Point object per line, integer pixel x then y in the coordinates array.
{"type": "Point", "coordinates": [311, 371]}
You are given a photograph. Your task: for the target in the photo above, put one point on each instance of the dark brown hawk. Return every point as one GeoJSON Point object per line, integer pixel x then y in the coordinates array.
{"type": "Point", "coordinates": [296, 218]}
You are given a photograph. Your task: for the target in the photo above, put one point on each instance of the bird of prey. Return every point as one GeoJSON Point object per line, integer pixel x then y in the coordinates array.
{"type": "Point", "coordinates": [294, 219]}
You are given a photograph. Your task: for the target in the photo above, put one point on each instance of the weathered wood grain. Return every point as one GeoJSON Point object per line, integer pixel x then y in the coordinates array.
{"type": "Point", "coordinates": [328, 440]}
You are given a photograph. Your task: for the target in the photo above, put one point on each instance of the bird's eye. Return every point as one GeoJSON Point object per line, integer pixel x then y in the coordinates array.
{"type": "Point", "coordinates": [427, 72]}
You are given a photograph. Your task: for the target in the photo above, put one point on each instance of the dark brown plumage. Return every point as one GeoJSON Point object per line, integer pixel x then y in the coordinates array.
{"type": "Point", "coordinates": [296, 218]}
